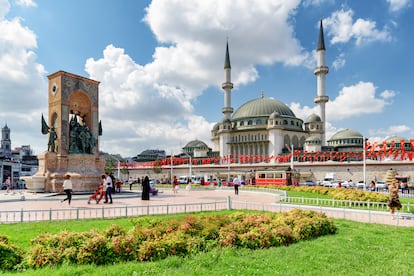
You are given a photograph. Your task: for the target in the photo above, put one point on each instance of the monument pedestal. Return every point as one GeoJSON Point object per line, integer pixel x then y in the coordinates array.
{"type": "Point", "coordinates": [85, 171]}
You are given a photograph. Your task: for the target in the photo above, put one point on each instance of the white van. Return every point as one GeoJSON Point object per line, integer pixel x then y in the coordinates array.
{"type": "Point", "coordinates": [183, 179]}
{"type": "Point", "coordinates": [195, 179]}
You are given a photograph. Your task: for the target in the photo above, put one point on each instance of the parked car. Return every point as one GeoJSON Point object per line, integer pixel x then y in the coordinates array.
{"type": "Point", "coordinates": [360, 184]}
{"type": "Point", "coordinates": [309, 183]}
{"type": "Point", "coordinates": [380, 186]}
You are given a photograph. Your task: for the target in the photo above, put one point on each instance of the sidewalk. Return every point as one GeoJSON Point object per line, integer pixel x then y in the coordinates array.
{"type": "Point", "coordinates": [25, 201]}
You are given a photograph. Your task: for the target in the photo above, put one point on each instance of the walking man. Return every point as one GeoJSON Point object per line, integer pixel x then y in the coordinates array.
{"type": "Point", "coordinates": [109, 187]}
{"type": "Point", "coordinates": [236, 183]}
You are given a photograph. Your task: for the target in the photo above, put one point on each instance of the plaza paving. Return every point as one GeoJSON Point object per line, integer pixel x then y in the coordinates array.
{"type": "Point", "coordinates": [23, 200]}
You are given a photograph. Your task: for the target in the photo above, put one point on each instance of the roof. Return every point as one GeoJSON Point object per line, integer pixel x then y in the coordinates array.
{"type": "Point", "coordinates": [313, 118]}
{"type": "Point", "coordinates": [196, 144]}
{"type": "Point", "coordinates": [262, 107]}
{"type": "Point", "coordinates": [321, 41]}
{"type": "Point", "coordinates": [346, 133]}
{"type": "Point", "coordinates": [395, 138]}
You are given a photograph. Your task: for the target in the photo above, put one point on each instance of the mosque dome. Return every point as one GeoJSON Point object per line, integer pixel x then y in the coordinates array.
{"type": "Point", "coordinates": [196, 144]}
{"type": "Point", "coordinates": [394, 138]}
{"type": "Point", "coordinates": [274, 115]}
{"type": "Point", "coordinates": [262, 107]}
{"type": "Point", "coordinates": [313, 118]}
{"type": "Point", "coordinates": [346, 134]}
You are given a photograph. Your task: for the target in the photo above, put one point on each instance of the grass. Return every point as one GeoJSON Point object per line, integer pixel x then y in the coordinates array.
{"type": "Point", "coordinates": [356, 249]}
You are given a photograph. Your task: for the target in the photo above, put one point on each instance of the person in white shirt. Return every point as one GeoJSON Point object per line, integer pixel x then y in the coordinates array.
{"type": "Point", "coordinates": [67, 188]}
{"type": "Point", "coordinates": [108, 186]}
{"type": "Point", "coordinates": [236, 183]}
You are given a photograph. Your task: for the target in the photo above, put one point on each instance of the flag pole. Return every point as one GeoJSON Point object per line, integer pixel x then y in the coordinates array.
{"type": "Point", "coordinates": [364, 167]}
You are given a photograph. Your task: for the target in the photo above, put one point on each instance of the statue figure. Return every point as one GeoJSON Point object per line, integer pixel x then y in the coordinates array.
{"type": "Point", "coordinates": [52, 140]}
{"type": "Point", "coordinates": [80, 138]}
{"type": "Point", "coordinates": [51, 145]}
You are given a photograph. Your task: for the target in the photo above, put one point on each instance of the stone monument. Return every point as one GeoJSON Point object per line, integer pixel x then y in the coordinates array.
{"type": "Point", "coordinates": [73, 128]}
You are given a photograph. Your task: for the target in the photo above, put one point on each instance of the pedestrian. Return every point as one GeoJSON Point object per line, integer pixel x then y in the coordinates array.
{"type": "Point", "coordinates": [236, 183]}
{"type": "Point", "coordinates": [113, 182]}
{"type": "Point", "coordinates": [372, 186]}
{"type": "Point", "coordinates": [175, 185]}
{"type": "Point", "coordinates": [108, 186]}
{"type": "Point", "coordinates": [98, 192]}
{"type": "Point", "coordinates": [219, 183]}
{"type": "Point", "coordinates": [188, 187]}
{"type": "Point", "coordinates": [394, 201]}
{"type": "Point", "coordinates": [67, 188]}
{"type": "Point", "coordinates": [145, 189]}
{"type": "Point", "coordinates": [7, 184]}
{"type": "Point", "coordinates": [103, 191]}
{"type": "Point", "coordinates": [118, 185]}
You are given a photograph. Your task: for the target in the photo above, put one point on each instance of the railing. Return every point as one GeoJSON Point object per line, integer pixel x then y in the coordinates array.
{"type": "Point", "coordinates": [351, 204]}
{"type": "Point", "coordinates": [104, 212]}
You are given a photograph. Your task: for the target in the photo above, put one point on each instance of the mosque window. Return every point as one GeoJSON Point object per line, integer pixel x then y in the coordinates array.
{"type": "Point", "coordinates": [258, 122]}
{"type": "Point", "coordinates": [285, 122]}
{"type": "Point", "coordinates": [250, 122]}
{"type": "Point", "coordinates": [292, 123]}
{"type": "Point", "coordinates": [241, 123]}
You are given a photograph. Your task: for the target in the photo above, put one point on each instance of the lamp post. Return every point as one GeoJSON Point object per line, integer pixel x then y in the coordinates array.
{"type": "Point", "coordinates": [171, 176]}
{"type": "Point", "coordinates": [190, 167]}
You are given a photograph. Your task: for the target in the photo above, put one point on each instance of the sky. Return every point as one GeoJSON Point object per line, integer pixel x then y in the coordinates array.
{"type": "Point", "coordinates": [160, 64]}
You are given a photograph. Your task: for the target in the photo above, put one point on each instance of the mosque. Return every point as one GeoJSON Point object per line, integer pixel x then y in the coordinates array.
{"type": "Point", "coordinates": [265, 134]}
{"type": "Point", "coordinates": [267, 127]}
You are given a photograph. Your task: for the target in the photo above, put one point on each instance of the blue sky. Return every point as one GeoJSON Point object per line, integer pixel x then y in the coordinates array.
{"type": "Point", "coordinates": [160, 64]}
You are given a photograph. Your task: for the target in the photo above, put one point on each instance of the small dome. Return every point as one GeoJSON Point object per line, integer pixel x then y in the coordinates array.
{"type": "Point", "coordinates": [216, 127]}
{"type": "Point", "coordinates": [225, 121]}
{"type": "Point", "coordinates": [346, 134]}
{"type": "Point", "coordinates": [274, 115]}
{"type": "Point", "coordinates": [313, 118]}
{"type": "Point", "coordinates": [395, 138]}
{"type": "Point", "coordinates": [196, 144]}
{"type": "Point", "coordinates": [262, 107]}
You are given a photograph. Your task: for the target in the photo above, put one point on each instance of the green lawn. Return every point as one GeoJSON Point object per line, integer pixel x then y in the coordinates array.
{"type": "Point", "coordinates": [356, 249]}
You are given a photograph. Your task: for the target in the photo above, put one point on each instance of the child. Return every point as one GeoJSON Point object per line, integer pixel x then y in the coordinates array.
{"type": "Point", "coordinates": [98, 192]}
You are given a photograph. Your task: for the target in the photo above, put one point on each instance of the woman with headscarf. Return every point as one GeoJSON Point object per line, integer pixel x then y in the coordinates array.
{"type": "Point", "coordinates": [145, 189]}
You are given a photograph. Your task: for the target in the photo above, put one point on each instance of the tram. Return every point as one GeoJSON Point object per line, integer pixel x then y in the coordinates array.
{"type": "Point", "coordinates": [277, 177]}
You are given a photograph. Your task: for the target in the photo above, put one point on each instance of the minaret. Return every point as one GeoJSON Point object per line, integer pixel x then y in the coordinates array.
{"type": "Point", "coordinates": [5, 140]}
{"type": "Point", "coordinates": [320, 72]}
{"type": "Point", "coordinates": [227, 85]}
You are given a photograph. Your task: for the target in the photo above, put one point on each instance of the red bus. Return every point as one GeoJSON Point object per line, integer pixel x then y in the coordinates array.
{"type": "Point", "coordinates": [277, 178]}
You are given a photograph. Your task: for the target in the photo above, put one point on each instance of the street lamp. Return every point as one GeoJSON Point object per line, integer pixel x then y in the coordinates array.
{"type": "Point", "coordinates": [191, 163]}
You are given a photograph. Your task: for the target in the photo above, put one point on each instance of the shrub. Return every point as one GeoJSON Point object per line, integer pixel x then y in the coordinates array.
{"type": "Point", "coordinates": [10, 255]}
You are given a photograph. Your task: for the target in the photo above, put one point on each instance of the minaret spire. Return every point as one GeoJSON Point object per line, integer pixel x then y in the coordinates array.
{"type": "Point", "coordinates": [227, 85]}
{"type": "Point", "coordinates": [320, 72]}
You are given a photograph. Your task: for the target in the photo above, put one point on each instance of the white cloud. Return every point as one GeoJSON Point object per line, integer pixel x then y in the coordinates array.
{"type": "Point", "coordinates": [23, 91]}
{"type": "Point", "coordinates": [26, 3]}
{"type": "Point", "coordinates": [4, 8]}
{"type": "Point", "coordinates": [388, 94]}
{"type": "Point", "coordinates": [397, 5]}
{"type": "Point", "coordinates": [341, 26]}
{"type": "Point", "coordinates": [317, 3]}
{"type": "Point", "coordinates": [339, 62]}
{"type": "Point", "coordinates": [153, 103]}
{"type": "Point", "coordinates": [354, 101]}
{"type": "Point", "coordinates": [384, 133]}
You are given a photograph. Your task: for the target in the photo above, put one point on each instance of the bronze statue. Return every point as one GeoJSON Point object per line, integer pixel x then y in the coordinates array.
{"type": "Point", "coordinates": [51, 145]}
